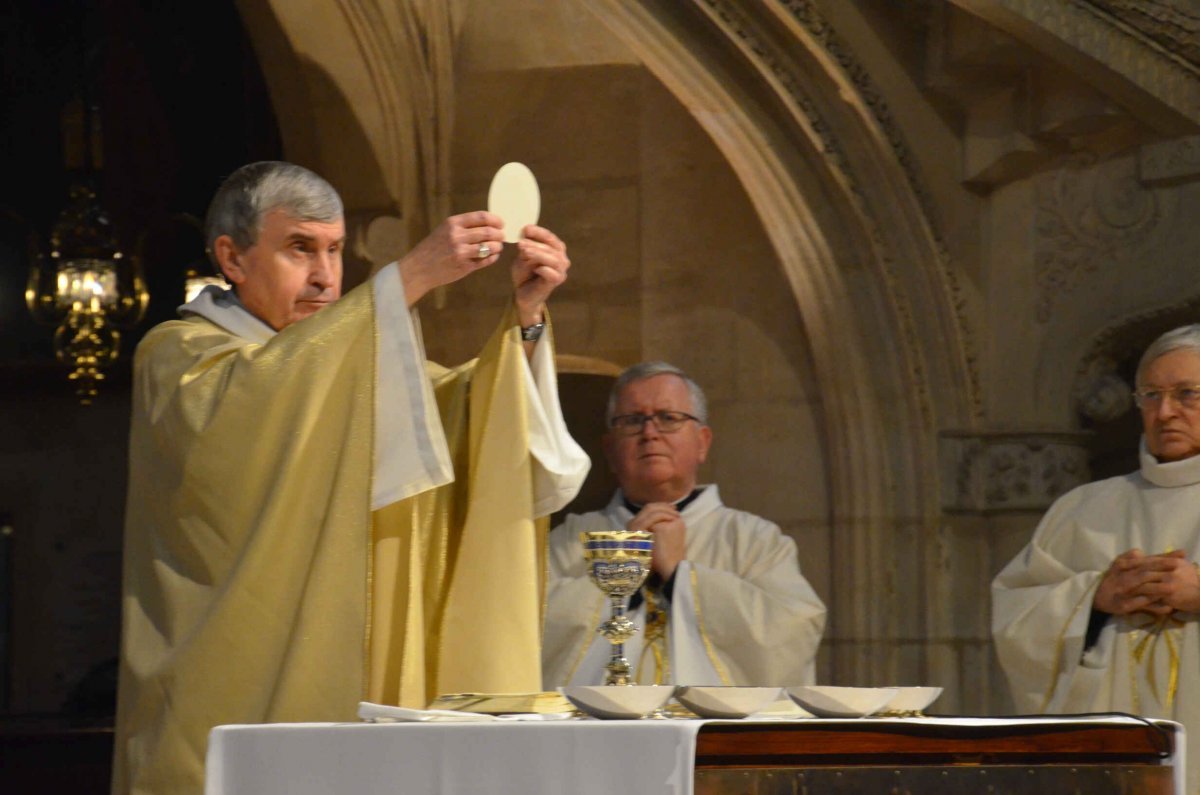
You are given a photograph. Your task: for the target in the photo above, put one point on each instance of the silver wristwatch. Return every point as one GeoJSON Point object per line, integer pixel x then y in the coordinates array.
{"type": "Point", "coordinates": [532, 333]}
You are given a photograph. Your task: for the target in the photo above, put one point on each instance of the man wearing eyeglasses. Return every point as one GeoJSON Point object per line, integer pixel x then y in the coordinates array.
{"type": "Point", "coordinates": [725, 602]}
{"type": "Point", "coordinates": [1101, 611]}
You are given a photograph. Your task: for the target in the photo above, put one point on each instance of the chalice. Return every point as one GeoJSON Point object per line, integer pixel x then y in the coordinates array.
{"type": "Point", "coordinates": [618, 563]}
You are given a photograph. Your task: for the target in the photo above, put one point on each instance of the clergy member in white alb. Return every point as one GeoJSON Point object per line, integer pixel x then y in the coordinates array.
{"type": "Point", "coordinates": [1100, 611]}
{"type": "Point", "coordinates": [725, 602]}
{"type": "Point", "coordinates": [316, 515]}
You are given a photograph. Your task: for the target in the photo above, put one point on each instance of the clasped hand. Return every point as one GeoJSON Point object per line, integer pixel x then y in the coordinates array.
{"type": "Point", "coordinates": [670, 535]}
{"type": "Point", "coordinates": [1154, 584]}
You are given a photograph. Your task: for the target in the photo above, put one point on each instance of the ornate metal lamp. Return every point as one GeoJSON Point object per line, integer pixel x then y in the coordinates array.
{"type": "Point", "coordinates": [87, 288]}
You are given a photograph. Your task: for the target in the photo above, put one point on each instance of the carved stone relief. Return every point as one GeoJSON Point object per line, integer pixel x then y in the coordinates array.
{"type": "Point", "coordinates": [1010, 471]}
{"type": "Point", "coordinates": [1102, 395]}
{"type": "Point", "coordinates": [1173, 24]}
{"type": "Point", "coordinates": [1089, 218]}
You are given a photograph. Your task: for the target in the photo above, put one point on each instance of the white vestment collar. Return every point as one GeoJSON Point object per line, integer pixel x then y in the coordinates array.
{"type": "Point", "coordinates": [224, 308]}
{"type": "Point", "coordinates": [1170, 474]}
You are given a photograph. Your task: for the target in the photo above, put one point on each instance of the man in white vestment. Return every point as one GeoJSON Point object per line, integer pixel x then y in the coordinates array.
{"type": "Point", "coordinates": [1099, 612]}
{"type": "Point", "coordinates": [725, 602]}
{"type": "Point", "coordinates": [316, 515]}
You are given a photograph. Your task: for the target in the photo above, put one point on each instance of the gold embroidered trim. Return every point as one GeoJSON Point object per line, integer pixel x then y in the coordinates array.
{"type": "Point", "coordinates": [655, 633]}
{"type": "Point", "coordinates": [1143, 653]}
{"type": "Point", "coordinates": [708, 646]}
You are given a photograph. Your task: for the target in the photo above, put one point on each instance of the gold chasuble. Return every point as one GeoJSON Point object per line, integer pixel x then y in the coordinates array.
{"type": "Point", "coordinates": [459, 571]}
{"type": "Point", "coordinates": [260, 587]}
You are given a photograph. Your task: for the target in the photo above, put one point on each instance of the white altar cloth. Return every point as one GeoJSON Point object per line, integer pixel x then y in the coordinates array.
{"type": "Point", "coordinates": [583, 757]}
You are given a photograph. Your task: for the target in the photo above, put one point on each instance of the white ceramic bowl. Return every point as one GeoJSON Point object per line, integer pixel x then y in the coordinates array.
{"type": "Point", "coordinates": [828, 701]}
{"type": "Point", "coordinates": [617, 701]}
{"type": "Point", "coordinates": [725, 702]}
{"type": "Point", "coordinates": [912, 700]}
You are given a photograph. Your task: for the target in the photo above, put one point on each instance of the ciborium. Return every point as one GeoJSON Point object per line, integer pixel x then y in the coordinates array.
{"type": "Point", "coordinates": [618, 563]}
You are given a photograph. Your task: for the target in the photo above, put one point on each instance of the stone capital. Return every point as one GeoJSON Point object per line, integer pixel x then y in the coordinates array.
{"type": "Point", "coordinates": [1000, 471]}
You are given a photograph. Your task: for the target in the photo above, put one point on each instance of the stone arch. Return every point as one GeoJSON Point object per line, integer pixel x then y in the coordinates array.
{"type": "Point", "coordinates": [827, 172]}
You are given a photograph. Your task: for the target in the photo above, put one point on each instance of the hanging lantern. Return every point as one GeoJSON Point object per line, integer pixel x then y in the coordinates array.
{"type": "Point", "coordinates": [86, 288]}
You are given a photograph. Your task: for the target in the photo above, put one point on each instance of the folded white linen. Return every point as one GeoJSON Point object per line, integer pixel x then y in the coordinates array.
{"type": "Point", "coordinates": [382, 713]}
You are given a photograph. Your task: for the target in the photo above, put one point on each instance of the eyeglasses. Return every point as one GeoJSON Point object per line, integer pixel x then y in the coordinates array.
{"type": "Point", "coordinates": [1186, 396]}
{"type": "Point", "coordinates": [664, 421]}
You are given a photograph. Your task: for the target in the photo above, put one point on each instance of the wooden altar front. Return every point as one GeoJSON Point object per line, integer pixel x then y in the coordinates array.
{"type": "Point", "coordinates": [936, 757]}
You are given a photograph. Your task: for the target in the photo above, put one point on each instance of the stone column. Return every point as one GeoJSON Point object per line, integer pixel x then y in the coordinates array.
{"type": "Point", "coordinates": [995, 487]}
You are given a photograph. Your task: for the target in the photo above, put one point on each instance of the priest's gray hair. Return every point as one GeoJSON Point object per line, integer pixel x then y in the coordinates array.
{"type": "Point", "coordinates": [1184, 338]}
{"type": "Point", "coordinates": [644, 370]}
{"type": "Point", "coordinates": [256, 189]}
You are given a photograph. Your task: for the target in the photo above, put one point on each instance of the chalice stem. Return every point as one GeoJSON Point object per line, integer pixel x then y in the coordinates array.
{"type": "Point", "coordinates": [618, 605]}
{"type": "Point", "coordinates": [618, 666]}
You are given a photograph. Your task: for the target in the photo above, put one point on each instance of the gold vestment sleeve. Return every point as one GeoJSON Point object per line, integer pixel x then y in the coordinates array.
{"type": "Point", "coordinates": [459, 571]}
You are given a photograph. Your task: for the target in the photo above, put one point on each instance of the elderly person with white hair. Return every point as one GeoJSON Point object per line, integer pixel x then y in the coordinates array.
{"type": "Point", "coordinates": [1099, 612]}
{"type": "Point", "coordinates": [725, 602]}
